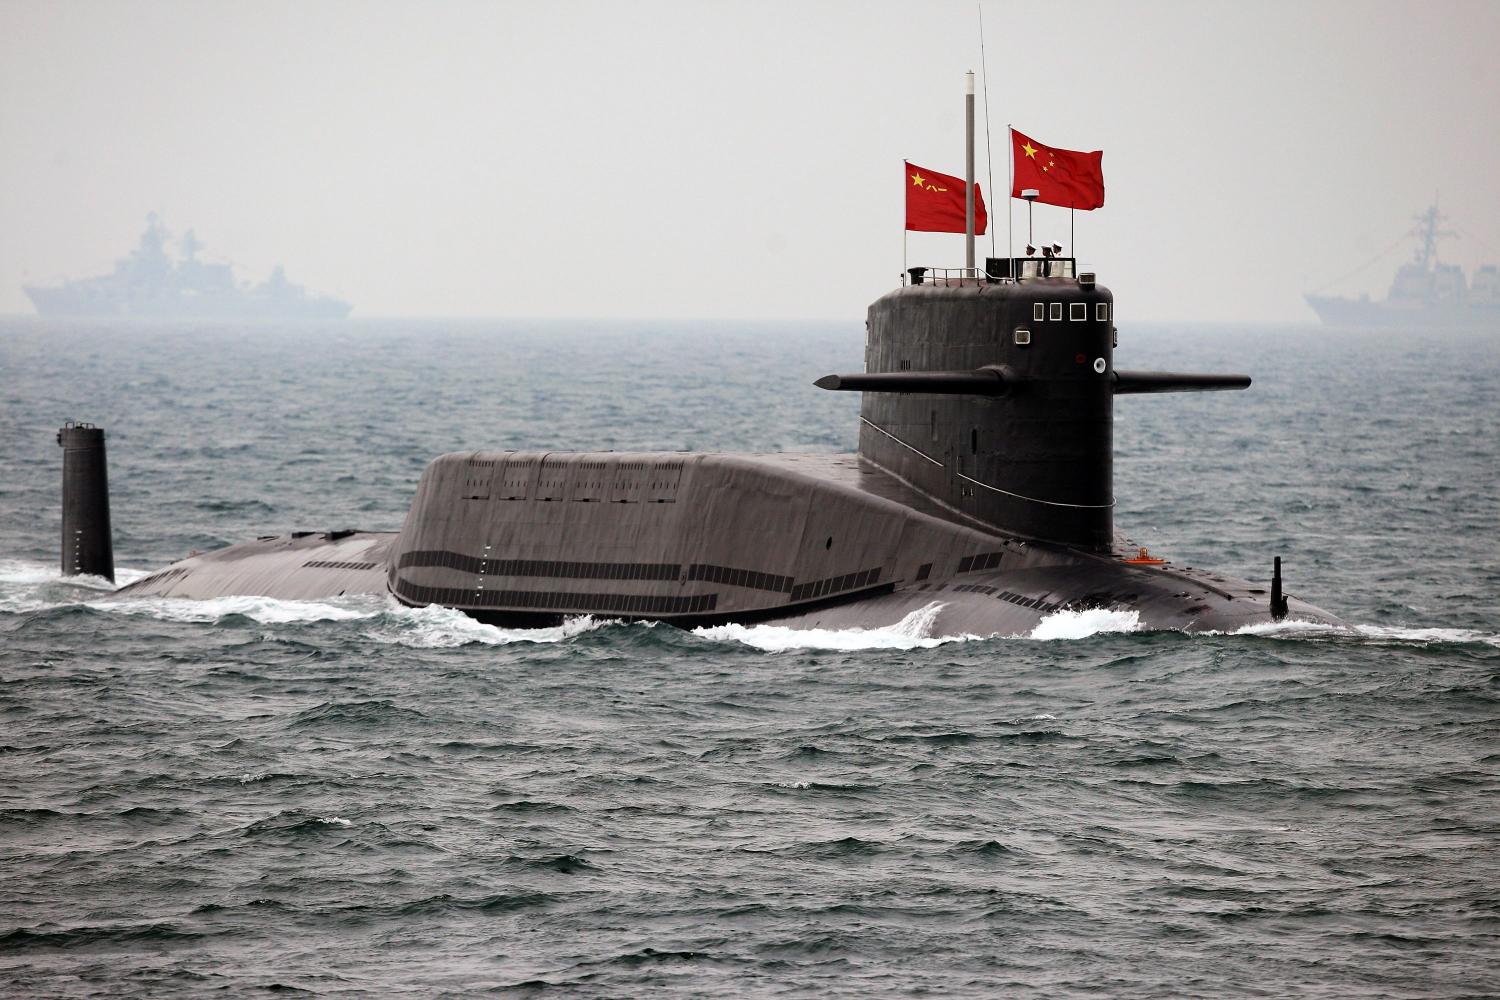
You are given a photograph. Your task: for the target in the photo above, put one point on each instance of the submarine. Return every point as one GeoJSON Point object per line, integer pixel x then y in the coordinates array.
{"type": "Point", "coordinates": [981, 493]}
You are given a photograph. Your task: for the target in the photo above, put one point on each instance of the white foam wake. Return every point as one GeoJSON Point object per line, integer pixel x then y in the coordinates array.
{"type": "Point", "coordinates": [910, 632]}
{"type": "Point", "coordinates": [1392, 633]}
{"type": "Point", "coordinates": [266, 610]}
{"type": "Point", "coordinates": [1082, 624]}
{"type": "Point", "coordinates": [1384, 635]}
{"type": "Point", "coordinates": [435, 627]}
{"type": "Point", "coordinates": [19, 573]}
{"type": "Point", "coordinates": [28, 586]}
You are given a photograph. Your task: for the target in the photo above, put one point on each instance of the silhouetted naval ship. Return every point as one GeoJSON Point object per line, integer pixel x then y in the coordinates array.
{"type": "Point", "coordinates": [150, 284]}
{"type": "Point", "coordinates": [1425, 292]}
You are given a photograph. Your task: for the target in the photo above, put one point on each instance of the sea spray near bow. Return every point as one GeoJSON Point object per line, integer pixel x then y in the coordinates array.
{"type": "Point", "coordinates": [345, 796]}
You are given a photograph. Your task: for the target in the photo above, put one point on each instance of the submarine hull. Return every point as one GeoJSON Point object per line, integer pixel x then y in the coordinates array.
{"type": "Point", "coordinates": [981, 496]}
{"type": "Point", "coordinates": [525, 539]}
{"type": "Point", "coordinates": [301, 566]}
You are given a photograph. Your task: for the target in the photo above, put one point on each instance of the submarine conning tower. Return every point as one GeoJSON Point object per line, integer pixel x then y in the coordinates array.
{"type": "Point", "coordinates": [995, 395]}
{"type": "Point", "coordinates": [1033, 454]}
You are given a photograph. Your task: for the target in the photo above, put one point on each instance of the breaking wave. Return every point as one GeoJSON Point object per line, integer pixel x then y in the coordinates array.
{"type": "Point", "coordinates": [265, 610]}
{"type": "Point", "coordinates": [1082, 624]}
{"type": "Point", "coordinates": [435, 627]}
{"type": "Point", "coordinates": [910, 632]}
{"type": "Point", "coordinates": [28, 586]}
{"type": "Point", "coordinates": [1371, 634]}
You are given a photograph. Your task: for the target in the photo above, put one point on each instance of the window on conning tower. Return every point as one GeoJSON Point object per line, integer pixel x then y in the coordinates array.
{"type": "Point", "coordinates": [1054, 311]}
{"type": "Point", "coordinates": [1039, 312]}
{"type": "Point", "coordinates": [1101, 312]}
{"type": "Point", "coordinates": [1078, 312]}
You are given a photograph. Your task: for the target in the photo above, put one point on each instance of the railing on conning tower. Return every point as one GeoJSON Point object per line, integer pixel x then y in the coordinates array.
{"type": "Point", "coordinates": [996, 270]}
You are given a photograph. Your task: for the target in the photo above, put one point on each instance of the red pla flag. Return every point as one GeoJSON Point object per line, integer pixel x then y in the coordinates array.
{"type": "Point", "coordinates": [1059, 176]}
{"type": "Point", "coordinates": [935, 203]}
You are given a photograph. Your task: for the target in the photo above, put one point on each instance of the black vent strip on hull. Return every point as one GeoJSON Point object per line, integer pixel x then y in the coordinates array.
{"type": "Point", "coordinates": [640, 604]}
{"type": "Point", "coordinates": [556, 600]}
{"type": "Point", "coordinates": [835, 584]}
{"type": "Point", "coordinates": [740, 578]}
{"type": "Point", "coordinates": [332, 564]}
{"type": "Point", "coordinates": [554, 568]}
{"type": "Point", "coordinates": [982, 561]}
{"type": "Point", "coordinates": [1035, 603]}
{"type": "Point", "coordinates": [566, 570]}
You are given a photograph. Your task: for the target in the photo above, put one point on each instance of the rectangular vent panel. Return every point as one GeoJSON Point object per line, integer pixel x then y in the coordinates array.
{"type": "Point", "coordinates": [477, 476]}
{"type": "Point", "coordinates": [628, 484]}
{"type": "Point", "coordinates": [984, 560]}
{"type": "Point", "coordinates": [515, 480]}
{"type": "Point", "coordinates": [663, 482]}
{"type": "Point", "coordinates": [590, 482]}
{"type": "Point", "coordinates": [552, 481]}
{"type": "Point", "coordinates": [732, 577]}
{"type": "Point", "coordinates": [835, 585]}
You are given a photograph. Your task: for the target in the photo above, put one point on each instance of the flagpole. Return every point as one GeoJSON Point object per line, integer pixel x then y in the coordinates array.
{"type": "Point", "coordinates": [989, 147]}
{"type": "Point", "coordinates": [1010, 215]}
{"type": "Point", "coordinates": [1073, 247]}
{"type": "Point", "coordinates": [969, 172]}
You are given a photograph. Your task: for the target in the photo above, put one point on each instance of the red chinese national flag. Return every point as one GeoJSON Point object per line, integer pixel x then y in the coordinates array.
{"type": "Point", "coordinates": [935, 203]}
{"type": "Point", "coordinates": [1060, 176]}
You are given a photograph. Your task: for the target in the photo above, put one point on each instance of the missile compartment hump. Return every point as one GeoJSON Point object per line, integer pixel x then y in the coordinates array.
{"type": "Point", "coordinates": [523, 538]}
{"type": "Point", "coordinates": [1033, 460]}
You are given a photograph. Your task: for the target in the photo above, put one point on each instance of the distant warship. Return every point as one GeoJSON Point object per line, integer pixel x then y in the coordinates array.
{"type": "Point", "coordinates": [1425, 293]}
{"type": "Point", "coordinates": [149, 283]}
{"type": "Point", "coordinates": [981, 496]}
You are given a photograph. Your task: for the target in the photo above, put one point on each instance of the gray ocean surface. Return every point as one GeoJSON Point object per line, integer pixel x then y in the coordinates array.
{"type": "Point", "coordinates": [351, 797]}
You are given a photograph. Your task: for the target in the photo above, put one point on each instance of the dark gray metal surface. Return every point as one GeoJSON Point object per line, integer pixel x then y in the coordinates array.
{"type": "Point", "coordinates": [87, 542]}
{"type": "Point", "coordinates": [305, 565]}
{"type": "Point", "coordinates": [1036, 461]}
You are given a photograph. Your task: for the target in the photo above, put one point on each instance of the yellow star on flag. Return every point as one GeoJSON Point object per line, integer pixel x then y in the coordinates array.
{"type": "Point", "coordinates": [918, 180]}
{"type": "Point", "coordinates": [1029, 150]}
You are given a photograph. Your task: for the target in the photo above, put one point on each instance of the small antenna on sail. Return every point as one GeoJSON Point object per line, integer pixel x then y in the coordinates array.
{"type": "Point", "coordinates": [969, 172]}
{"type": "Point", "coordinates": [989, 150]}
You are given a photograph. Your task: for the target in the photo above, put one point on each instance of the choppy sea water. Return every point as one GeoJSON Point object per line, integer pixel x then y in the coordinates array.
{"type": "Point", "coordinates": [350, 797]}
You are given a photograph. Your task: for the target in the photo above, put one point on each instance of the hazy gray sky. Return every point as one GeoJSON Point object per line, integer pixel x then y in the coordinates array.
{"type": "Point", "coordinates": [735, 159]}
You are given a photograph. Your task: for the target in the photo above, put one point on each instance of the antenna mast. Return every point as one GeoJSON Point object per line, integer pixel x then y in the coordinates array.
{"type": "Point", "coordinates": [969, 171]}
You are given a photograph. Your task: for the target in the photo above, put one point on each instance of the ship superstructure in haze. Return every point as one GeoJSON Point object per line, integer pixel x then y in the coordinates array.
{"type": "Point", "coordinates": [1425, 293]}
{"type": "Point", "coordinates": [150, 283]}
